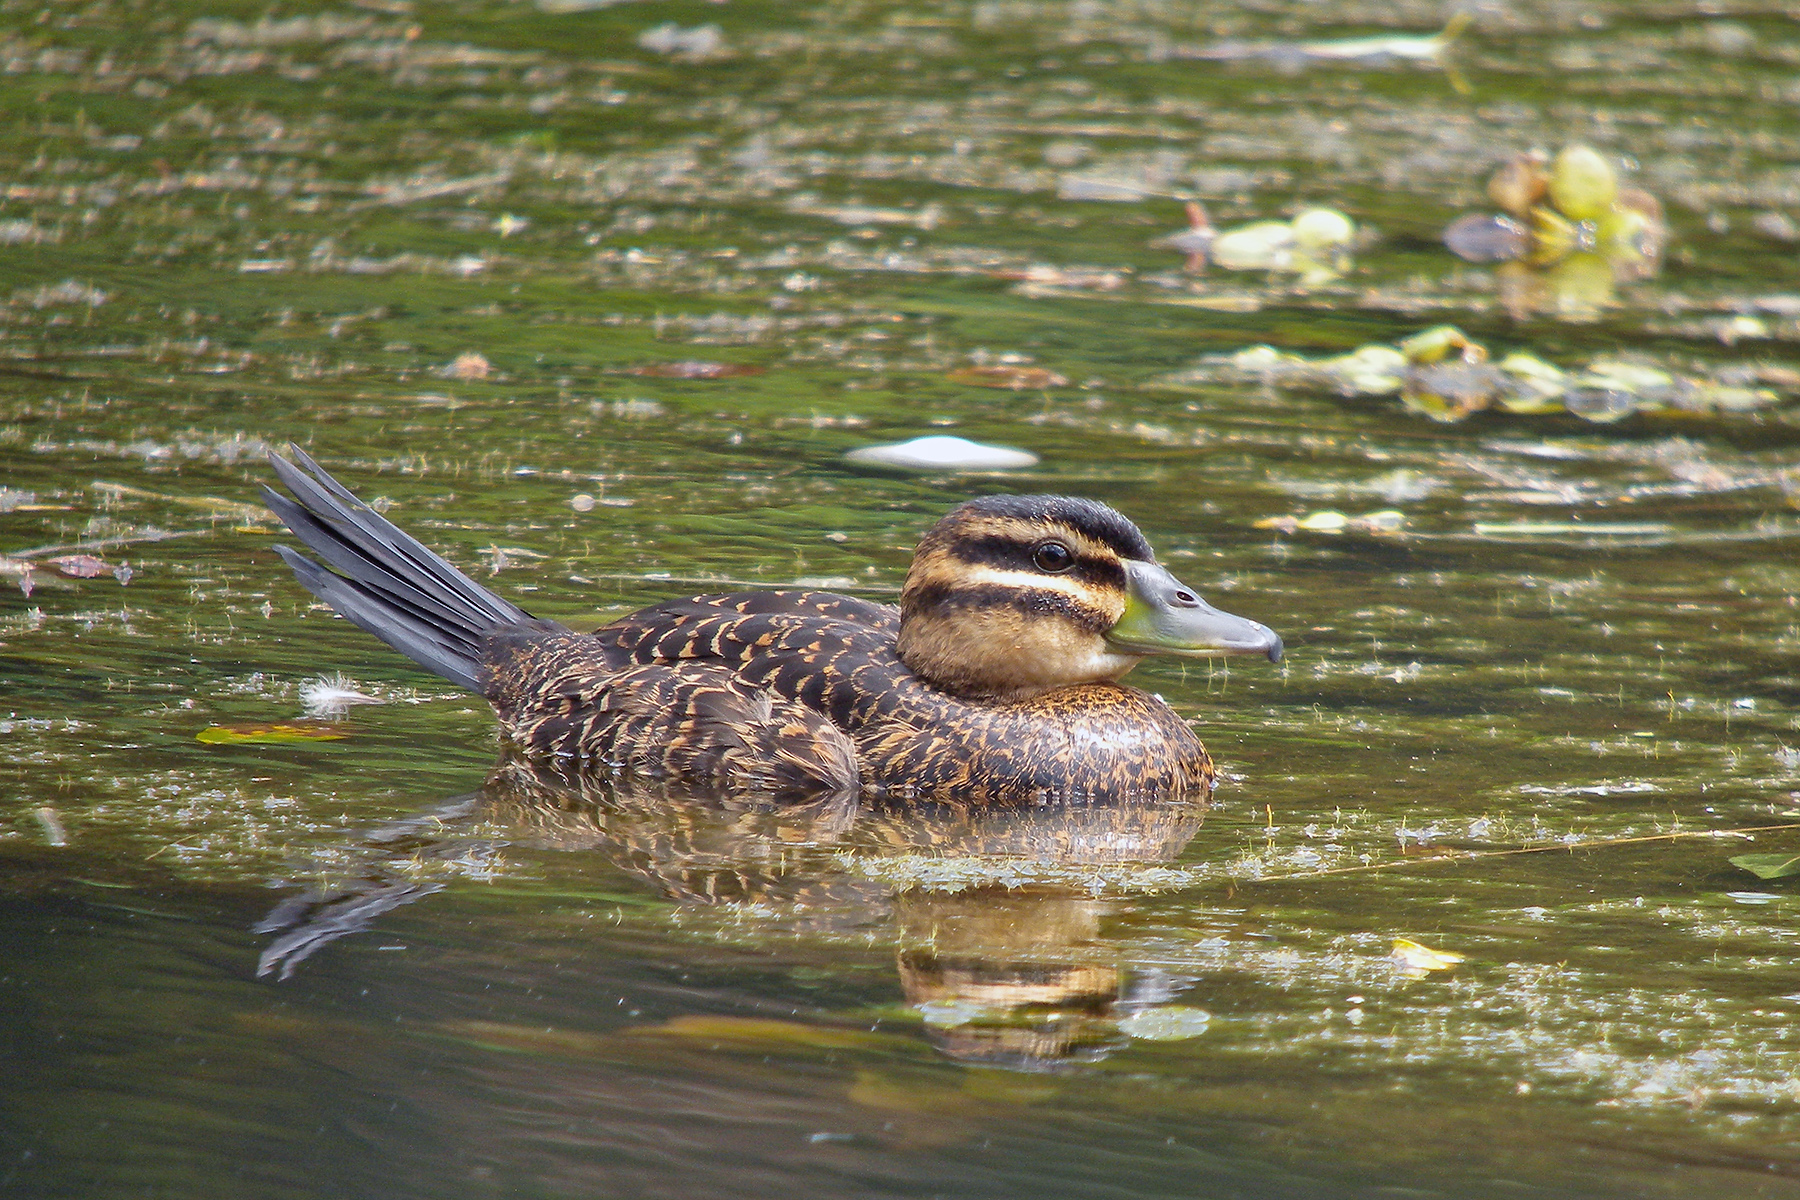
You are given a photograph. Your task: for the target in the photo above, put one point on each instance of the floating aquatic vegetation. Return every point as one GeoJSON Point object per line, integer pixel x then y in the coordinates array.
{"type": "Point", "coordinates": [1418, 960]}
{"type": "Point", "coordinates": [1315, 245]}
{"type": "Point", "coordinates": [1447, 376]}
{"type": "Point", "coordinates": [1573, 204]}
{"type": "Point", "coordinates": [1443, 374]}
{"type": "Point", "coordinates": [1768, 866]}
{"type": "Point", "coordinates": [942, 452]}
{"type": "Point", "coordinates": [271, 734]}
{"type": "Point", "coordinates": [1569, 233]}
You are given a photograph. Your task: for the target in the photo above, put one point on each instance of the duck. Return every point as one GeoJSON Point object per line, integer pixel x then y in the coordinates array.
{"type": "Point", "coordinates": [995, 680]}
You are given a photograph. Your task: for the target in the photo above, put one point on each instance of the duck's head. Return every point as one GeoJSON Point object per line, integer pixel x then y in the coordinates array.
{"type": "Point", "coordinates": [1010, 596]}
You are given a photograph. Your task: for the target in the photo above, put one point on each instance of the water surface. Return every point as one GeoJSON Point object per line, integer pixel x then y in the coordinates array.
{"type": "Point", "coordinates": [233, 227]}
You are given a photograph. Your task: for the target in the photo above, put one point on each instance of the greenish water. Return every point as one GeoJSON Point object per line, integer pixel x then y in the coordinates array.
{"type": "Point", "coordinates": [229, 227]}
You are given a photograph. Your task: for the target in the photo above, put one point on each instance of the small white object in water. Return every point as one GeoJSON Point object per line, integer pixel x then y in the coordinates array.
{"type": "Point", "coordinates": [332, 695]}
{"type": "Point", "coordinates": [943, 452]}
{"type": "Point", "coordinates": [700, 42]}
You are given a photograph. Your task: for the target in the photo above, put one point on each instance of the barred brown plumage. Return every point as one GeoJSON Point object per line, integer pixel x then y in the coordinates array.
{"type": "Point", "coordinates": [995, 680]}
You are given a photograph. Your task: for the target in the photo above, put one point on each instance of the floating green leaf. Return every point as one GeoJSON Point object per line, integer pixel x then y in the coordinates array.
{"type": "Point", "coordinates": [1769, 866]}
{"type": "Point", "coordinates": [289, 732]}
{"type": "Point", "coordinates": [1417, 959]}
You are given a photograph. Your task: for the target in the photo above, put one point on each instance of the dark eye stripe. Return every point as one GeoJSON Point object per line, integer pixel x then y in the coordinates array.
{"type": "Point", "coordinates": [994, 550]}
{"type": "Point", "coordinates": [946, 598]}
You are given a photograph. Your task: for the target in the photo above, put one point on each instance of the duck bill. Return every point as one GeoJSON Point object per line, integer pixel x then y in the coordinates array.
{"type": "Point", "coordinates": [1164, 617]}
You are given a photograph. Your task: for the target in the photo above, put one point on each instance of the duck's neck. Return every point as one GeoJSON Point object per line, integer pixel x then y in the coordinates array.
{"type": "Point", "coordinates": [1004, 657]}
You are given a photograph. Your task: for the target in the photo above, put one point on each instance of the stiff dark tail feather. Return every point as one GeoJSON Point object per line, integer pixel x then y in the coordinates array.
{"type": "Point", "coordinates": [385, 580]}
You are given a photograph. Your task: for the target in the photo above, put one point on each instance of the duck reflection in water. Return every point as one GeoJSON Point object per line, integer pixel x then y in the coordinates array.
{"type": "Point", "coordinates": [996, 909]}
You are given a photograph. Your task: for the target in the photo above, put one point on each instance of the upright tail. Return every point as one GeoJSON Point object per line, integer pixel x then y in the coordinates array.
{"type": "Point", "coordinates": [385, 580]}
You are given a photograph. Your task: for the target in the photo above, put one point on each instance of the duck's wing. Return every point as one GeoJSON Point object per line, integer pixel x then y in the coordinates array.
{"type": "Point", "coordinates": [694, 717]}
{"type": "Point", "coordinates": [832, 654]}
{"type": "Point", "coordinates": [757, 689]}
{"type": "Point", "coordinates": [660, 619]}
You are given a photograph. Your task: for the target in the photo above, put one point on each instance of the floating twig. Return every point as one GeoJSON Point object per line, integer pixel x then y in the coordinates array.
{"type": "Point", "coordinates": [155, 535]}
{"type": "Point", "coordinates": [216, 504]}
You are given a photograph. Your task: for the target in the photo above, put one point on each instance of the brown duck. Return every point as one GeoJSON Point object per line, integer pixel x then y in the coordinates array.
{"type": "Point", "coordinates": [995, 679]}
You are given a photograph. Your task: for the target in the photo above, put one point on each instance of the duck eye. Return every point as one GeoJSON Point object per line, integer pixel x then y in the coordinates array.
{"type": "Point", "coordinates": [1053, 557]}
